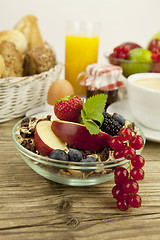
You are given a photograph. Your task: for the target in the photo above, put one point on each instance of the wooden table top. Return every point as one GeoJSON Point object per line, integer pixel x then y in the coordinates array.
{"type": "Point", "coordinates": [32, 207]}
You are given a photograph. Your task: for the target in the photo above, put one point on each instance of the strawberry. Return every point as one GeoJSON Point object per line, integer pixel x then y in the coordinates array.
{"type": "Point", "coordinates": [69, 108]}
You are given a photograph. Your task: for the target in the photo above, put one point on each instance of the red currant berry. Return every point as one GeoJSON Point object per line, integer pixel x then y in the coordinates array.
{"type": "Point", "coordinates": [116, 143]}
{"type": "Point", "coordinates": [130, 186]}
{"type": "Point", "coordinates": [124, 144]}
{"type": "Point", "coordinates": [118, 154]}
{"type": "Point", "coordinates": [137, 174]}
{"type": "Point", "coordinates": [134, 200]}
{"type": "Point", "coordinates": [129, 152]}
{"type": "Point", "coordinates": [122, 205]}
{"type": "Point", "coordinates": [121, 174]}
{"type": "Point", "coordinates": [155, 50]}
{"type": "Point", "coordinates": [118, 193]}
{"type": "Point", "coordinates": [136, 142]}
{"type": "Point", "coordinates": [114, 190]}
{"type": "Point", "coordinates": [158, 58]}
{"type": "Point", "coordinates": [138, 161]}
{"type": "Point", "coordinates": [156, 55]}
{"type": "Point", "coordinates": [125, 134]}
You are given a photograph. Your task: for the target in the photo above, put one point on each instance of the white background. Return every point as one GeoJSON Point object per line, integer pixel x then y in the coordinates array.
{"type": "Point", "coordinates": [121, 20]}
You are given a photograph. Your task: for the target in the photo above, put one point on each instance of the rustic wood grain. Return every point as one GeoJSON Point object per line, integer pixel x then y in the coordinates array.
{"type": "Point", "coordinates": [32, 207]}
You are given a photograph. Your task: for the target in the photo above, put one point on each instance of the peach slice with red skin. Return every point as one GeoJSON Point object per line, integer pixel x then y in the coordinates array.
{"type": "Point", "coordinates": [78, 136]}
{"type": "Point", "coordinates": [45, 140]}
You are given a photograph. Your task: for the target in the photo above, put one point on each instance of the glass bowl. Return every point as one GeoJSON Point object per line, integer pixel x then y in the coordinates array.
{"type": "Point", "coordinates": [131, 67]}
{"type": "Point", "coordinates": [70, 173]}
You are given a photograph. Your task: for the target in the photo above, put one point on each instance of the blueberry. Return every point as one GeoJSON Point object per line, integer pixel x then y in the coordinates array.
{"type": "Point", "coordinates": [75, 155]}
{"type": "Point", "coordinates": [119, 118]}
{"type": "Point", "coordinates": [59, 155]}
{"type": "Point", "coordinates": [88, 159]}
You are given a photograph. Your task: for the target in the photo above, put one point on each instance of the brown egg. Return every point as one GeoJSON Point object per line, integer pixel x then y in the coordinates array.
{"type": "Point", "coordinates": [59, 89]}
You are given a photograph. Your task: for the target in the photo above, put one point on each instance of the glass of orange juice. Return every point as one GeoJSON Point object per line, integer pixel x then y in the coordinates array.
{"type": "Point", "coordinates": [82, 42]}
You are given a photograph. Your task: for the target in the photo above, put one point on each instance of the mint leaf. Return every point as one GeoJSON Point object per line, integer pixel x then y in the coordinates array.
{"type": "Point", "coordinates": [94, 107]}
{"type": "Point", "coordinates": [92, 110]}
{"type": "Point", "coordinates": [83, 115]}
{"type": "Point", "coordinates": [89, 124]}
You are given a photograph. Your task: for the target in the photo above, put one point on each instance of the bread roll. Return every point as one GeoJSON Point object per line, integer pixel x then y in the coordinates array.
{"type": "Point", "coordinates": [15, 37]}
{"type": "Point", "coordinates": [38, 60]}
{"type": "Point", "coordinates": [2, 64]}
{"type": "Point", "coordinates": [29, 27]}
{"type": "Point", "coordinates": [13, 60]}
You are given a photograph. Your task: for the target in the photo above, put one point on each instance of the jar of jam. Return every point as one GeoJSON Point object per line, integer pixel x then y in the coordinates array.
{"type": "Point", "coordinates": [102, 78]}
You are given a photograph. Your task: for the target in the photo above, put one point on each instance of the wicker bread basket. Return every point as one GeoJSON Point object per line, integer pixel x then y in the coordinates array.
{"type": "Point", "coordinates": [19, 94]}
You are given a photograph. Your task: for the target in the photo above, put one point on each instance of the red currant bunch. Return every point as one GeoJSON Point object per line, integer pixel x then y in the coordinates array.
{"type": "Point", "coordinates": [156, 55]}
{"type": "Point", "coordinates": [120, 51]}
{"type": "Point", "coordinates": [156, 59]}
{"type": "Point", "coordinates": [126, 185]}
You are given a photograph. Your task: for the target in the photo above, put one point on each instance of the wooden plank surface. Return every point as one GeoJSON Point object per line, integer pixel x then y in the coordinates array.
{"type": "Point", "coordinates": [32, 207]}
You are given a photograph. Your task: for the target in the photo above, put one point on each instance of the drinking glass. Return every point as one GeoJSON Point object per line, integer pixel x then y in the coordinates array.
{"type": "Point", "coordinates": [81, 49]}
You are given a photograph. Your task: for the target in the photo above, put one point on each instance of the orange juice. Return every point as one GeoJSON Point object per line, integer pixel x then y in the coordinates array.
{"type": "Point", "coordinates": [80, 52]}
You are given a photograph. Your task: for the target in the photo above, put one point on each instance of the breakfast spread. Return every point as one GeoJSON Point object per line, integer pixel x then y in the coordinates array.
{"type": "Point", "coordinates": [80, 138]}
{"type": "Point", "coordinates": [82, 132]}
{"type": "Point", "coordinates": [23, 51]}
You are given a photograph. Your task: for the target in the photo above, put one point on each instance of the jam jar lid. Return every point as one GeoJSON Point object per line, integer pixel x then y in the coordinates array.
{"type": "Point", "coordinates": [103, 77]}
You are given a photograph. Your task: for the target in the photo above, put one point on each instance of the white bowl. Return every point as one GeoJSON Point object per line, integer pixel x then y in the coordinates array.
{"type": "Point", "coordinates": [144, 101]}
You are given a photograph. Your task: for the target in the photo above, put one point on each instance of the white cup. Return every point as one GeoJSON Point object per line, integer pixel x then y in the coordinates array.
{"type": "Point", "coordinates": [144, 101]}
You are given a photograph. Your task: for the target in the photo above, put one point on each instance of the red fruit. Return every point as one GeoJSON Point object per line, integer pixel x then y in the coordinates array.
{"type": "Point", "coordinates": [137, 174]}
{"type": "Point", "coordinates": [119, 193]}
{"type": "Point", "coordinates": [138, 161]}
{"type": "Point", "coordinates": [131, 45]}
{"type": "Point", "coordinates": [77, 135]}
{"type": "Point", "coordinates": [129, 152]}
{"type": "Point", "coordinates": [134, 200]}
{"type": "Point", "coordinates": [114, 190]}
{"type": "Point", "coordinates": [131, 186]}
{"type": "Point", "coordinates": [69, 109]}
{"type": "Point", "coordinates": [118, 154]}
{"type": "Point", "coordinates": [155, 43]}
{"type": "Point", "coordinates": [116, 143]}
{"type": "Point", "coordinates": [122, 51]}
{"type": "Point", "coordinates": [136, 142]}
{"type": "Point", "coordinates": [155, 49]}
{"type": "Point", "coordinates": [156, 59]}
{"type": "Point", "coordinates": [122, 205]}
{"type": "Point", "coordinates": [125, 134]}
{"type": "Point", "coordinates": [120, 174]}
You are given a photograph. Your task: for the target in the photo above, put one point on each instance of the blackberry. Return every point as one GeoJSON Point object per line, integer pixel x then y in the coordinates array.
{"type": "Point", "coordinates": [110, 125]}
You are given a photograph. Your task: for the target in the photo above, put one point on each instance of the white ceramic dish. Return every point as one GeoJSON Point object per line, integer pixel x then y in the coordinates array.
{"type": "Point", "coordinates": [122, 107]}
{"type": "Point", "coordinates": [45, 109]}
{"type": "Point", "coordinates": [143, 100]}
